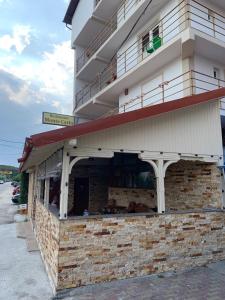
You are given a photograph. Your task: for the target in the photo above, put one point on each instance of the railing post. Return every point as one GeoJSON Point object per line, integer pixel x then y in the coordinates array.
{"type": "Point", "coordinates": [187, 13]}
{"type": "Point", "coordinates": [142, 100]}
{"type": "Point", "coordinates": [192, 81]}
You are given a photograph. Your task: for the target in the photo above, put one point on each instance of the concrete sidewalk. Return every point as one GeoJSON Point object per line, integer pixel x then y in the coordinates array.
{"type": "Point", "coordinates": [22, 274]}
{"type": "Point", "coordinates": [205, 283]}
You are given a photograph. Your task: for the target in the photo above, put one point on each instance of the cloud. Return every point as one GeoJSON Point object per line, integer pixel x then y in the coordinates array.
{"type": "Point", "coordinates": [52, 72]}
{"type": "Point", "coordinates": [26, 94]}
{"type": "Point", "coordinates": [56, 69]}
{"type": "Point", "coordinates": [18, 40]}
{"type": "Point", "coordinates": [17, 90]}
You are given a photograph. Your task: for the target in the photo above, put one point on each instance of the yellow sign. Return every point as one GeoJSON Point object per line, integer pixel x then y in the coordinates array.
{"type": "Point", "coordinates": [57, 119]}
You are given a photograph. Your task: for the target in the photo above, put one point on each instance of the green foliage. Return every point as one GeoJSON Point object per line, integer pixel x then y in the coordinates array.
{"type": "Point", "coordinates": [24, 188]}
{"type": "Point", "coordinates": [8, 168]}
{"type": "Point", "coordinates": [16, 177]}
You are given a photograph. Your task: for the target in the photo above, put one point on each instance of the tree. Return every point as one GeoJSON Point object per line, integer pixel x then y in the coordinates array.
{"type": "Point", "coordinates": [24, 188]}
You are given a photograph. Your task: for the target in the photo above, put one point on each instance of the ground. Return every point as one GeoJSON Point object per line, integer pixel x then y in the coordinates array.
{"type": "Point", "coordinates": [23, 277]}
{"type": "Point", "coordinates": [205, 283]}
{"type": "Point", "coordinates": [22, 274]}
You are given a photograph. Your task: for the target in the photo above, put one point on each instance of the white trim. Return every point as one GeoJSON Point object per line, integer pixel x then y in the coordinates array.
{"type": "Point", "coordinates": [64, 186]}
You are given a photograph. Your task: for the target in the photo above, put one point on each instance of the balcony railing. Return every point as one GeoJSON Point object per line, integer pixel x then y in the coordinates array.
{"type": "Point", "coordinates": [118, 17]}
{"type": "Point", "coordinates": [186, 84]}
{"type": "Point", "coordinates": [178, 19]}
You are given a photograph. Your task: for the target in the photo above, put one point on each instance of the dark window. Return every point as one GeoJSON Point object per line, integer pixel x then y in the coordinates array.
{"type": "Point", "coordinates": [42, 190]}
{"type": "Point", "coordinates": [130, 172]}
{"type": "Point", "coordinates": [155, 31]}
{"type": "Point", "coordinates": [145, 42]}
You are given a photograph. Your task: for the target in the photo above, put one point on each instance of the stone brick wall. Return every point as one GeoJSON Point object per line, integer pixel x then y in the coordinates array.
{"type": "Point", "coordinates": [124, 196]}
{"type": "Point", "coordinates": [47, 234]}
{"type": "Point", "coordinates": [192, 185]}
{"type": "Point", "coordinates": [98, 196]}
{"type": "Point", "coordinates": [99, 249]}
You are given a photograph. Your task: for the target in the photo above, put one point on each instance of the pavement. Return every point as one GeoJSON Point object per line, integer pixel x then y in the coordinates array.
{"type": "Point", "coordinates": [23, 277]}
{"type": "Point", "coordinates": [205, 283]}
{"type": "Point", "coordinates": [22, 273]}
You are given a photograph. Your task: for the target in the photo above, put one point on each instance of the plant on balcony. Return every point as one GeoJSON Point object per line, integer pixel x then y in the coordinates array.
{"type": "Point", "coordinates": [157, 43]}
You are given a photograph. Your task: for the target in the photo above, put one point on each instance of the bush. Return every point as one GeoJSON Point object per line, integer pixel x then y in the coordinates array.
{"type": "Point", "coordinates": [24, 188]}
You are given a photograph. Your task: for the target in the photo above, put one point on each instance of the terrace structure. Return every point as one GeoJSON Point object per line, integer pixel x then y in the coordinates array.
{"type": "Point", "coordinates": [136, 186]}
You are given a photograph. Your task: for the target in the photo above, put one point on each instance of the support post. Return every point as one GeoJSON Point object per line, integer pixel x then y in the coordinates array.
{"type": "Point", "coordinates": [160, 187]}
{"type": "Point", "coordinates": [64, 186]}
{"type": "Point", "coordinates": [160, 166]}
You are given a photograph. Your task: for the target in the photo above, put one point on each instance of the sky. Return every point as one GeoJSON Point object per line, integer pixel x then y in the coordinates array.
{"type": "Point", "coordinates": [36, 70]}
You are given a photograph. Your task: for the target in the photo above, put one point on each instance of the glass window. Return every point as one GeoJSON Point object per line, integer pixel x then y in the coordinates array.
{"type": "Point", "coordinates": [145, 42]}
{"type": "Point", "coordinates": [155, 31]}
{"type": "Point", "coordinates": [42, 190]}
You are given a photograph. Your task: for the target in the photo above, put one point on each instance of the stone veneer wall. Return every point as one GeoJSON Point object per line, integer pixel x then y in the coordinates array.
{"type": "Point", "coordinates": [47, 233]}
{"type": "Point", "coordinates": [100, 249]}
{"type": "Point", "coordinates": [192, 185]}
{"type": "Point", "coordinates": [124, 196]}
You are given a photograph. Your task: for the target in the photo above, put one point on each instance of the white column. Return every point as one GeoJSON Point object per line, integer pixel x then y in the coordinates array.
{"type": "Point", "coordinates": [46, 197]}
{"type": "Point", "coordinates": [160, 180]}
{"type": "Point", "coordinates": [64, 186]}
{"type": "Point", "coordinates": [160, 166]}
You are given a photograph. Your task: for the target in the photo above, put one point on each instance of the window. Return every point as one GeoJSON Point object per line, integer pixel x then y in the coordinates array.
{"type": "Point", "coordinates": [210, 15]}
{"type": "Point", "coordinates": [155, 32]}
{"type": "Point", "coordinates": [145, 41]}
{"type": "Point", "coordinates": [42, 190]}
{"type": "Point", "coordinates": [216, 73]}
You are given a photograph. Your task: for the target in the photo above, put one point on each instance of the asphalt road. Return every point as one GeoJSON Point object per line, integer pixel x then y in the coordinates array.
{"type": "Point", "coordinates": [7, 209]}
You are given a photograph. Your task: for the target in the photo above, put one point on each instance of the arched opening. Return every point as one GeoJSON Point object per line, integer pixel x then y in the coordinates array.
{"type": "Point", "coordinates": [192, 185]}
{"type": "Point", "coordinates": [117, 185]}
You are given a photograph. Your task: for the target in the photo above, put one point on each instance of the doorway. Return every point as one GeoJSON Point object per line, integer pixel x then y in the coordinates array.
{"type": "Point", "coordinates": [81, 195]}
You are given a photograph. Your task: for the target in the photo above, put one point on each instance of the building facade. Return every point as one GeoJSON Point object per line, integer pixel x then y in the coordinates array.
{"type": "Point", "coordinates": [136, 186]}
{"type": "Point", "coordinates": [131, 54]}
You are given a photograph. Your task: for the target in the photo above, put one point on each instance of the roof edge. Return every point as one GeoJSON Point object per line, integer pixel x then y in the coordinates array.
{"type": "Point", "coordinates": [70, 11]}
{"type": "Point", "coordinates": [66, 133]}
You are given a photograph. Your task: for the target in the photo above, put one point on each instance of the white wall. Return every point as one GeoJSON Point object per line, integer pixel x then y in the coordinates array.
{"type": "Point", "coordinates": [150, 90]}
{"type": "Point", "coordinates": [206, 66]}
{"type": "Point", "coordinates": [194, 130]}
{"type": "Point", "coordinates": [82, 14]}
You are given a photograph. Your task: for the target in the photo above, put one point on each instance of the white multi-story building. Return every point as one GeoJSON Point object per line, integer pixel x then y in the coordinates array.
{"type": "Point", "coordinates": [135, 53]}
{"type": "Point", "coordinates": [147, 149]}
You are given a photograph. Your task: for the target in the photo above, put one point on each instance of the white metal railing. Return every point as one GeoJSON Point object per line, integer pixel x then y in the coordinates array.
{"type": "Point", "coordinates": [184, 14]}
{"type": "Point", "coordinates": [186, 84]}
{"type": "Point", "coordinates": [125, 9]}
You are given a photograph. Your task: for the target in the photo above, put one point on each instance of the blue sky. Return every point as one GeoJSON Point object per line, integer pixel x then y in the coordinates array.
{"type": "Point", "coordinates": [36, 70]}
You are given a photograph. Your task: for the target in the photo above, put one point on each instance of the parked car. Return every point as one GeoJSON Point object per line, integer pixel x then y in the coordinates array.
{"type": "Point", "coordinates": [15, 199]}
{"type": "Point", "coordinates": [16, 190]}
{"type": "Point", "coordinates": [1, 181]}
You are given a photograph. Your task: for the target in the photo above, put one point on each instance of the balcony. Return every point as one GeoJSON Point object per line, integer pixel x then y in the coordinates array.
{"type": "Point", "coordinates": [99, 52]}
{"type": "Point", "coordinates": [186, 84]}
{"type": "Point", "coordinates": [189, 25]}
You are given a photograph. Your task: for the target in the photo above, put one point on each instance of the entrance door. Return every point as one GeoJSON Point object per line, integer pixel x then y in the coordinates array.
{"type": "Point", "coordinates": [81, 195]}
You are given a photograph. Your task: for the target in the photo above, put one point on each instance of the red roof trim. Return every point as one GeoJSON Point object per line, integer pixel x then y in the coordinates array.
{"type": "Point", "coordinates": [54, 136]}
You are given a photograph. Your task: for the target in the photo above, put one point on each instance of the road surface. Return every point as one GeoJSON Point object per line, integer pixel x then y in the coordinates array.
{"type": "Point", "coordinates": [7, 209]}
